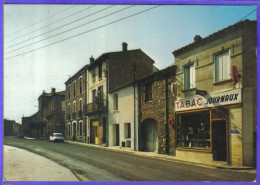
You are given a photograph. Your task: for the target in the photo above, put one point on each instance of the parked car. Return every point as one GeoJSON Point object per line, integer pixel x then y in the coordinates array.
{"type": "Point", "coordinates": [57, 137]}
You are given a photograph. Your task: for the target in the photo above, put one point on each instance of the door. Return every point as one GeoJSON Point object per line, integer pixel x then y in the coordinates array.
{"type": "Point", "coordinates": [219, 140]}
{"type": "Point", "coordinates": [117, 134]}
{"type": "Point", "coordinates": [74, 131]}
{"type": "Point", "coordinates": [149, 135]}
{"type": "Point", "coordinates": [104, 129]}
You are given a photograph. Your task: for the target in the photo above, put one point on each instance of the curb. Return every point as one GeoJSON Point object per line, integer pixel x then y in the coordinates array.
{"type": "Point", "coordinates": [166, 158]}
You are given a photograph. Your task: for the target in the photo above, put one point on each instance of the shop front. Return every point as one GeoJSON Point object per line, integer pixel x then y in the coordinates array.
{"type": "Point", "coordinates": [204, 125]}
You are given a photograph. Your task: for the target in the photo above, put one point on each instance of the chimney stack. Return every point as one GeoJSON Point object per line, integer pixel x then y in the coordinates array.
{"type": "Point", "coordinates": [53, 90]}
{"type": "Point", "coordinates": [197, 38]}
{"type": "Point", "coordinates": [124, 46]}
{"type": "Point", "coordinates": [91, 59]}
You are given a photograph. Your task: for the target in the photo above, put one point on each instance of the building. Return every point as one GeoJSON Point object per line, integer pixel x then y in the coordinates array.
{"type": "Point", "coordinates": [107, 72]}
{"type": "Point", "coordinates": [216, 96]}
{"type": "Point", "coordinates": [156, 112]}
{"type": "Point", "coordinates": [123, 116]}
{"type": "Point", "coordinates": [49, 117]}
{"type": "Point", "coordinates": [11, 128]}
{"type": "Point", "coordinates": [76, 99]}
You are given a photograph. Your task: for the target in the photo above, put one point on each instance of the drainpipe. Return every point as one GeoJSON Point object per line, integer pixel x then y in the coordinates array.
{"type": "Point", "coordinates": [134, 104]}
{"type": "Point", "coordinates": [166, 114]}
{"type": "Point", "coordinates": [107, 81]}
{"type": "Point", "coordinates": [85, 105]}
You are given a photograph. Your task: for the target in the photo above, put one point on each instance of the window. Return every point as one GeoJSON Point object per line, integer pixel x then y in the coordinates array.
{"type": "Point", "coordinates": [93, 73]}
{"type": "Point", "coordinates": [80, 105]}
{"type": "Point", "coordinates": [222, 66]}
{"type": "Point", "coordinates": [100, 71]}
{"type": "Point", "coordinates": [115, 101]}
{"type": "Point", "coordinates": [100, 94]}
{"type": "Point", "coordinates": [189, 77]}
{"type": "Point", "coordinates": [193, 130]}
{"type": "Point", "coordinates": [127, 130]}
{"type": "Point", "coordinates": [80, 128]}
{"type": "Point", "coordinates": [68, 111]}
{"type": "Point", "coordinates": [148, 92]}
{"type": "Point", "coordinates": [74, 107]}
{"type": "Point", "coordinates": [74, 89]}
{"type": "Point", "coordinates": [69, 92]}
{"type": "Point", "coordinates": [80, 86]}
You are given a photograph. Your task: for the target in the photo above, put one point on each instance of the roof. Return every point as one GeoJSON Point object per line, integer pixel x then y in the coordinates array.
{"type": "Point", "coordinates": [106, 56]}
{"type": "Point", "coordinates": [61, 93]}
{"type": "Point", "coordinates": [214, 36]}
{"type": "Point", "coordinates": [76, 74]}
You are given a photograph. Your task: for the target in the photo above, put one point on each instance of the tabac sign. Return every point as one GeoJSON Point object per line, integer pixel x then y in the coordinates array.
{"type": "Point", "coordinates": [209, 100]}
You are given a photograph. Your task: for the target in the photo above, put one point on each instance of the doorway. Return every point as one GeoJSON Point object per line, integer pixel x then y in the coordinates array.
{"type": "Point", "coordinates": [219, 140]}
{"type": "Point", "coordinates": [148, 139]}
{"type": "Point", "coordinates": [116, 135]}
{"type": "Point", "coordinates": [94, 131]}
{"type": "Point", "coordinates": [74, 131]}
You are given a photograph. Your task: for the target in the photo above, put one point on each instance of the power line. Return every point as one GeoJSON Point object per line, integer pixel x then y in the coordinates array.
{"type": "Point", "coordinates": [248, 15]}
{"type": "Point", "coordinates": [72, 28]}
{"type": "Point", "coordinates": [41, 20]}
{"type": "Point", "coordinates": [85, 32]}
{"type": "Point", "coordinates": [47, 26]}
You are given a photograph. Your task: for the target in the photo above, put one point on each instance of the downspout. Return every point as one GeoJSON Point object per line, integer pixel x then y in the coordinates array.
{"type": "Point", "coordinates": [134, 105]}
{"type": "Point", "coordinates": [86, 105]}
{"type": "Point", "coordinates": [166, 113]}
{"type": "Point", "coordinates": [107, 81]}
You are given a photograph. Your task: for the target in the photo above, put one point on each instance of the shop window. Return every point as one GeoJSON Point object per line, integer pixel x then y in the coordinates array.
{"type": "Point", "coordinates": [193, 130]}
{"type": "Point", "coordinates": [127, 130]}
{"type": "Point", "coordinates": [189, 76]}
{"type": "Point", "coordinates": [222, 66]}
{"type": "Point", "coordinates": [115, 101]}
{"type": "Point", "coordinates": [148, 92]}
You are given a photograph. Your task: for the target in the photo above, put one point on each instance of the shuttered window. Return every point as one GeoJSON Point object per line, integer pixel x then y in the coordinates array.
{"type": "Point", "coordinates": [222, 66]}
{"type": "Point", "coordinates": [189, 77]}
{"type": "Point", "coordinates": [115, 101]}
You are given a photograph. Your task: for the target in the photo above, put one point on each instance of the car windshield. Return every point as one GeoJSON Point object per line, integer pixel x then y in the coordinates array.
{"type": "Point", "coordinates": [57, 134]}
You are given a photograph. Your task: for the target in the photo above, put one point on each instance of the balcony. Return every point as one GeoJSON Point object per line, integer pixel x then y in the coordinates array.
{"type": "Point", "coordinates": [95, 107]}
{"type": "Point", "coordinates": [80, 114]}
{"type": "Point", "coordinates": [73, 115]}
{"type": "Point", "coordinates": [68, 116]}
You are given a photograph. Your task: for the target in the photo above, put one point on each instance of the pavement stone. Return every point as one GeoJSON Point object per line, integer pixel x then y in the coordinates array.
{"type": "Point", "coordinates": [22, 165]}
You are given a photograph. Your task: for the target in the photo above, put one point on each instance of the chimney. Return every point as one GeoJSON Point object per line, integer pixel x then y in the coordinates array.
{"type": "Point", "coordinates": [124, 46]}
{"type": "Point", "coordinates": [197, 38]}
{"type": "Point", "coordinates": [91, 59]}
{"type": "Point", "coordinates": [53, 90]}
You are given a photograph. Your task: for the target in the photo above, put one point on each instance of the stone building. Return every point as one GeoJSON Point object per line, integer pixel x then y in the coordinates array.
{"type": "Point", "coordinates": [11, 128]}
{"type": "Point", "coordinates": [76, 99]}
{"type": "Point", "coordinates": [49, 117]}
{"type": "Point", "coordinates": [216, 96]}
{"type": "Point", "coordinates": [156, 112]}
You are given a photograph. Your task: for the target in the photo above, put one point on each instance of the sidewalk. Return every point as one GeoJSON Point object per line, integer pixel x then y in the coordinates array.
{"type": "Point", "coordinates": [213, 164]}
{"type": "Point", "coordinates": [21, 165]}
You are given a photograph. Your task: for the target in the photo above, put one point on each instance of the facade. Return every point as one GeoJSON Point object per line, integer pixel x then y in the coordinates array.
{"type": "Point", "coordinates": [123, 117]}
{"type": "Point", "coordinates": [156, 112]}
{"type": "Point", "coordinates": [11, 128]}
{"type": "Point", "coordinates": [216, 96]}
{"type": "Point", "coordinates": [49, 118]}
{"type": "Point", "coordinates": [76, 99]}
{"type": "Point", "coordinates": [107, 72]}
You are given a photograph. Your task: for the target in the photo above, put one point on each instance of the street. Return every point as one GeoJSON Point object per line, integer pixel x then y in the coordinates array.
{"type": "Point", "coordinates": [97, 164]}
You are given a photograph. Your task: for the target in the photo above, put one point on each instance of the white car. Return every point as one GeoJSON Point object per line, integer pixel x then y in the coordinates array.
{"type": "Point", "coordinates": [57, 137]}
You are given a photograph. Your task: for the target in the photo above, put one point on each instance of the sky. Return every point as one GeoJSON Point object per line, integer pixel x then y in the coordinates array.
{"type": "Point", "coordinates": [44, 45]}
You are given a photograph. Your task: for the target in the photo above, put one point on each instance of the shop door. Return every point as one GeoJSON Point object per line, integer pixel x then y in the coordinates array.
{"type": "Point", "coordinates": [219, 140]}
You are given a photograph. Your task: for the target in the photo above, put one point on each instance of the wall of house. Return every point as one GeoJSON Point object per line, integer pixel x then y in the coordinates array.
{"type": "Point", "coordinates": [156, 109]}
{"type": "Point", "coordinates": [241, 144]}
{"type": "Point", "coordinates": [124, 114]}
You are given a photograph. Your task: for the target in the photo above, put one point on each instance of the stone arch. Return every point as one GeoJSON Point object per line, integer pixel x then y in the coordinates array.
{"type": "Point", "coordinates": [149, 135]}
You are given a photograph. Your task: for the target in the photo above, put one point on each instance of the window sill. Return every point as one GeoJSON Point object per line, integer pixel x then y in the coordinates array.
{"type": "Point", "coordinates": [222, 82]}
{"type": "Point", "coordinates": [99, 79]}
{"type": "Point", "coordinates": [189, 90]}
{"type": "Point", "coordinates": [116, 111]}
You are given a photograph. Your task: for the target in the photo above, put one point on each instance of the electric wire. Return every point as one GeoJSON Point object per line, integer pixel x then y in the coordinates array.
{"type": "Point", "coordinates": [73, 28]}
{"type": "Point", "coordinates": [86, 31]}
{"type": "Point", "coordinates": [247, 15]}
{"type": "Point", "coordinates": [41, 21]}
{"type": "Point", "coordinates": [44, 27]}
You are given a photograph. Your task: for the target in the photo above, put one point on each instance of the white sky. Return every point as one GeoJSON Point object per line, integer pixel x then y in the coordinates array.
{"type": "Point", "coordinates": [157, 32]}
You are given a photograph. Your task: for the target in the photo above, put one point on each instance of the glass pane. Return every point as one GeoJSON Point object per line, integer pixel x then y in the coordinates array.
{"type": "Point", "coordinates": [186, 77]}
{"type": "Point", "coordinates": [192, 76]}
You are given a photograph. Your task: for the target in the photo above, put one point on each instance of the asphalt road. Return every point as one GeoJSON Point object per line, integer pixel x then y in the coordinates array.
{"type": "Point", "coordinates": [97, 164]}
